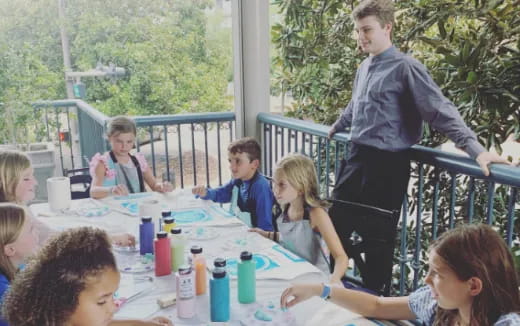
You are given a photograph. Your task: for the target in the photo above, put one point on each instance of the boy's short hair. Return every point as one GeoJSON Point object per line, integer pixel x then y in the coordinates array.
{"type": "Point", "coordinates": [383, 10]}
{"type": "Point", "coordinates": [247, 145]}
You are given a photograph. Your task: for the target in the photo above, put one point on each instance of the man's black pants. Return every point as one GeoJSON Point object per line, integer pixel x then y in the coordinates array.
{"type": "Point", "coordinates": [377, 178]}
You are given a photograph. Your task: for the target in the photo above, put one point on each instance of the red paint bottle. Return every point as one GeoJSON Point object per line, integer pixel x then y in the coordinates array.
{"type": "Point", "coordinates": [163, 264]}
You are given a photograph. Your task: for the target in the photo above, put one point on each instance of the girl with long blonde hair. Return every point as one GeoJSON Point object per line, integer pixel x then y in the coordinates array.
{"type": "Point", "coordinates": [304, 221]}
{"type": "Point", "coordinates": [18, 240]}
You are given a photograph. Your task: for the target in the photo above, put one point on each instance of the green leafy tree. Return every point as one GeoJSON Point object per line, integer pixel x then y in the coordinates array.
{"type": "Point", "coordinates": [177, 57]}
{"type": "Point", "coordinates": [30, 67]}
{"type": "Point", "coordinates": [173, 66]}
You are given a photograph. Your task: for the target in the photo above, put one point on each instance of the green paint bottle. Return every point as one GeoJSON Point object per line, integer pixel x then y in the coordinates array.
{"type": "Point", "coordinates": [178, 244]}
{"type": "Point", "coordinates": [246, 278]}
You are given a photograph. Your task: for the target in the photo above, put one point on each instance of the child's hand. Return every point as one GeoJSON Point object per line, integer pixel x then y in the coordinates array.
{"type": "Point", "coordinates": [259, 231]}
{"type": "Point", "coordinates": [200, 191]}
{"type": "Point", "coordinates": [119, 190]}
{"type": "Point", "coordinates": [164, 186]}
{"type": "Point", "coordinates": [123, 239]}
{"type": "Point", "coordinates": [298, 293]}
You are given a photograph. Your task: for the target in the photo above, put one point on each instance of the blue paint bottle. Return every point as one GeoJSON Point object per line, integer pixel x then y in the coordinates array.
{"type": "Point", "coordinates": [146, 235]}
{"type": "Point", "coordinates": [219, 295]}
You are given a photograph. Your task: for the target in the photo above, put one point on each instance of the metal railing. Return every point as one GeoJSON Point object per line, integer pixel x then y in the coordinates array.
{"type": "Point", "coordinates": [444, 188]}
{"type": "Point", "coordinates": [171, 142]}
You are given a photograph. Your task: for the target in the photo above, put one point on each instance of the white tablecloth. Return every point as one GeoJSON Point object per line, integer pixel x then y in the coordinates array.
{"type": "Point", "coordinates": [230, 240]}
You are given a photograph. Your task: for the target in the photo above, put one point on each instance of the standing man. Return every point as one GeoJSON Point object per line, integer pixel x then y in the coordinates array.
{"type": "Point", "coordinates": [392, 95]}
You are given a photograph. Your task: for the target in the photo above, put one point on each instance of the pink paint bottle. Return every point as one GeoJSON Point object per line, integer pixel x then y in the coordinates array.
{"type": "Point", "coordinates": [185, 286]}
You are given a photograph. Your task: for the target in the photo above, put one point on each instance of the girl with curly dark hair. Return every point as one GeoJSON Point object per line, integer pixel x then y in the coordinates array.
{"type": "Point", "coordinates": [70, 282]}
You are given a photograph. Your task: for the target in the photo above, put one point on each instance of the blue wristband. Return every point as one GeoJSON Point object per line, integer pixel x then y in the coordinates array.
{"type": "Point", "coordinates": [325, 294]}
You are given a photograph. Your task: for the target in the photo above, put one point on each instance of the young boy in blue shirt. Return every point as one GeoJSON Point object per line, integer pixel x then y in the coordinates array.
{"type": "Point", "coordinates": [254, 192]}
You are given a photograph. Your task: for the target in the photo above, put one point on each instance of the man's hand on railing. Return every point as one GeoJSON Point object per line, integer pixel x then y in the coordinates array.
{"type": "Point", "coordinates": [332, 131]}
{"type": "Point", "coordinates": [486, 158]}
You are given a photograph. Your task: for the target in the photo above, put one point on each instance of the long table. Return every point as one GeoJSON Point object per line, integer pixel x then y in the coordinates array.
{"type": "Point", "coordinates": [221, 235]}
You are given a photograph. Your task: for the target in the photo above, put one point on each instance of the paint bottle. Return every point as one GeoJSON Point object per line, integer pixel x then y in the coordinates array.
{"type": "Point", "coordinates": [199, 266]}
{"type": "Point", "coordinates": [178, 244]}
{"type": "Point", "coordinates": [246, 278]}
{"type": "Point", "coordinates": [219, 262]}
{"type": "Point", "coordinates": [162, 255]}
{"type": "Point", "coordinates": [185, 287]}
{"type": "Point", "coordinates": [168, 224]}
{"type": "Point", "coordinates": [146, 235]}
{"type": "Point", "coordinates": [164, 214]}
{"type": "Point", "coordinates": [219, 295]}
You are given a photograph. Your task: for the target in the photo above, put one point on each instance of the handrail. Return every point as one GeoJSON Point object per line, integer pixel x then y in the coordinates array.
{"type": "Point", "coordinates": [153, 120]}
{"type": "Point", "coordinates": [499, 173]}
{"type": "Point", "coordinates": [95, 114]}
{"type": "Point", "coordinates": [302, 125]}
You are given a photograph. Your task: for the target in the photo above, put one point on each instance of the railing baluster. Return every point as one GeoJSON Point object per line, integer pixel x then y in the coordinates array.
{"type": "Point", "coordinates": [276, 132]}
{"type": "Point", "coordinates": [70, 140]}
{"type": "Point", "coordinates": [264, 164]}
{"type": "Point", "coordinates": [418, 227]}
{"type": "Point", "coordinates": [289, 138]}
{"type": "Point", "coordinates": [453, 192]}
{"type": "Point", "coordinates": [47, 124]}
{"type": "Point", "coordinates": [311, 139]}
{"type": "Point", "coordinates": [404, 249]}
{"type": "Point", "coordinates": [336, 161]}
{"type": "Point", "coordinates": [207, 154]}
{"type": "Point", "coordinates": [511, 215]}
{"type": "Point", "coordinates": [152, 144]}
{"type": "Point", "coordinates": [166, 153]}
{"type": "Point", "coordinates": [181, 169]}
{"type": "Point", "coordinates": [327, 166]}
{"type": "Point", "coordinates": [303, 142]}
{"type": "Point", "coordinates": [296, 141]}
{"type": "Point", "coordinates": [193, 158]}
{"type": "Point", "coordinates": [219, 155]}
{"type": "Point", "coordinates": [471, 199]}
{"type": "Point", "coordinates": [271, 163]}
{"type": "Point", "coordinates": [435, 203]}
{"type": "Point", "coordinates": [282, 143]}
{"type": "Point", "coordinates": [490, 202]}
{"type": "Point", "coordinates": [231, 135]}
{"type": "Point", "coordinates": [318, 158]}
{"type": "Point", "coordinates": [56, 114]}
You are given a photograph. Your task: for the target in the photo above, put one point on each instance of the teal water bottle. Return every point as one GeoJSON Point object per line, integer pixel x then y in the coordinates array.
{"type": "Point", "coordinates": [246, 278]}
